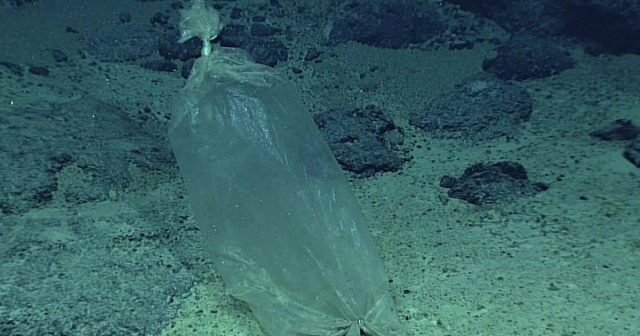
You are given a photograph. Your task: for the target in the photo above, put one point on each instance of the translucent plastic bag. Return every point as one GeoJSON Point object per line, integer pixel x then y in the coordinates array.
{"type": "Point", "coordinates": [281, 223]}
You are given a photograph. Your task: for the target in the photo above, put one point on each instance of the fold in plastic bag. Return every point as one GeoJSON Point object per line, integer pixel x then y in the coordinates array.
{"type": "Point", "coordinates": [280, 221]}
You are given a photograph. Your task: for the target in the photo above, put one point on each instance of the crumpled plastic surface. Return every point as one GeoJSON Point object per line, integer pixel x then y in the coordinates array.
{"type": "Point", "coordinates": [278, 217]}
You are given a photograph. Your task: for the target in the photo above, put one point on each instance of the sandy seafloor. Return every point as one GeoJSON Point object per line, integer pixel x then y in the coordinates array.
{"type": "Point", "coordinates": [565, 262]}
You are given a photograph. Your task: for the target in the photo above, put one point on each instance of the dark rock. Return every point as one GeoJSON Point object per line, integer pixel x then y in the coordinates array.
{"type": "Point", "coordinates": [312, 54]}
{"type": "Point", "coordinates": [387, 24]}
{"type": "Point", "coordinates": [614, 25]}
{"type": "Point", "coordinates": [482, 107]}
{"type": "Point", "coordinates": [159, 19]}
{"type": "Point", "coordinates": [268, 51]}
{"type": "Point", "coordinates": [497, 183]}
{"type": "Point", "coordinates": [19, 3]}
{"type": "Point", "coordinates": [15, 69]}
{"type": "Point", "coordinates": [264, 50]}
{"type": "Point", "coordinates": [235, 36]}
{"type": "Point", "coordinates": [525, 56]}
{"type": "Point", "coordinates": [358, 139]}
{"type": "Point", "coordinates": [603, 26]}
{"type": "Point", "coordinates": [170, 49]}
{"type": "Point", "coordinates": [59, 56]}
{"type": "Point", "coordinates": [39, 71]}
{"type": "Point", "coordinates": [621, 129]}
{"type": "Point", "coordinates": [448, 181]}
{"type": "Point", "coordinates": [186, 68]}
{"type": "Point", "coordinates": [632, 153]}
{"type": "Point", "coordinates": [124, 17]}
{"type": "Point", "coordinates": [236, 13]}
{"type": "Point", "coordinates": [541, 17]}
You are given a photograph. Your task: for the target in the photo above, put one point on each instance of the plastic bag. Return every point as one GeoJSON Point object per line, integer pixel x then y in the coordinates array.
{"type": "Point", "coordinates": [278, 218]}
